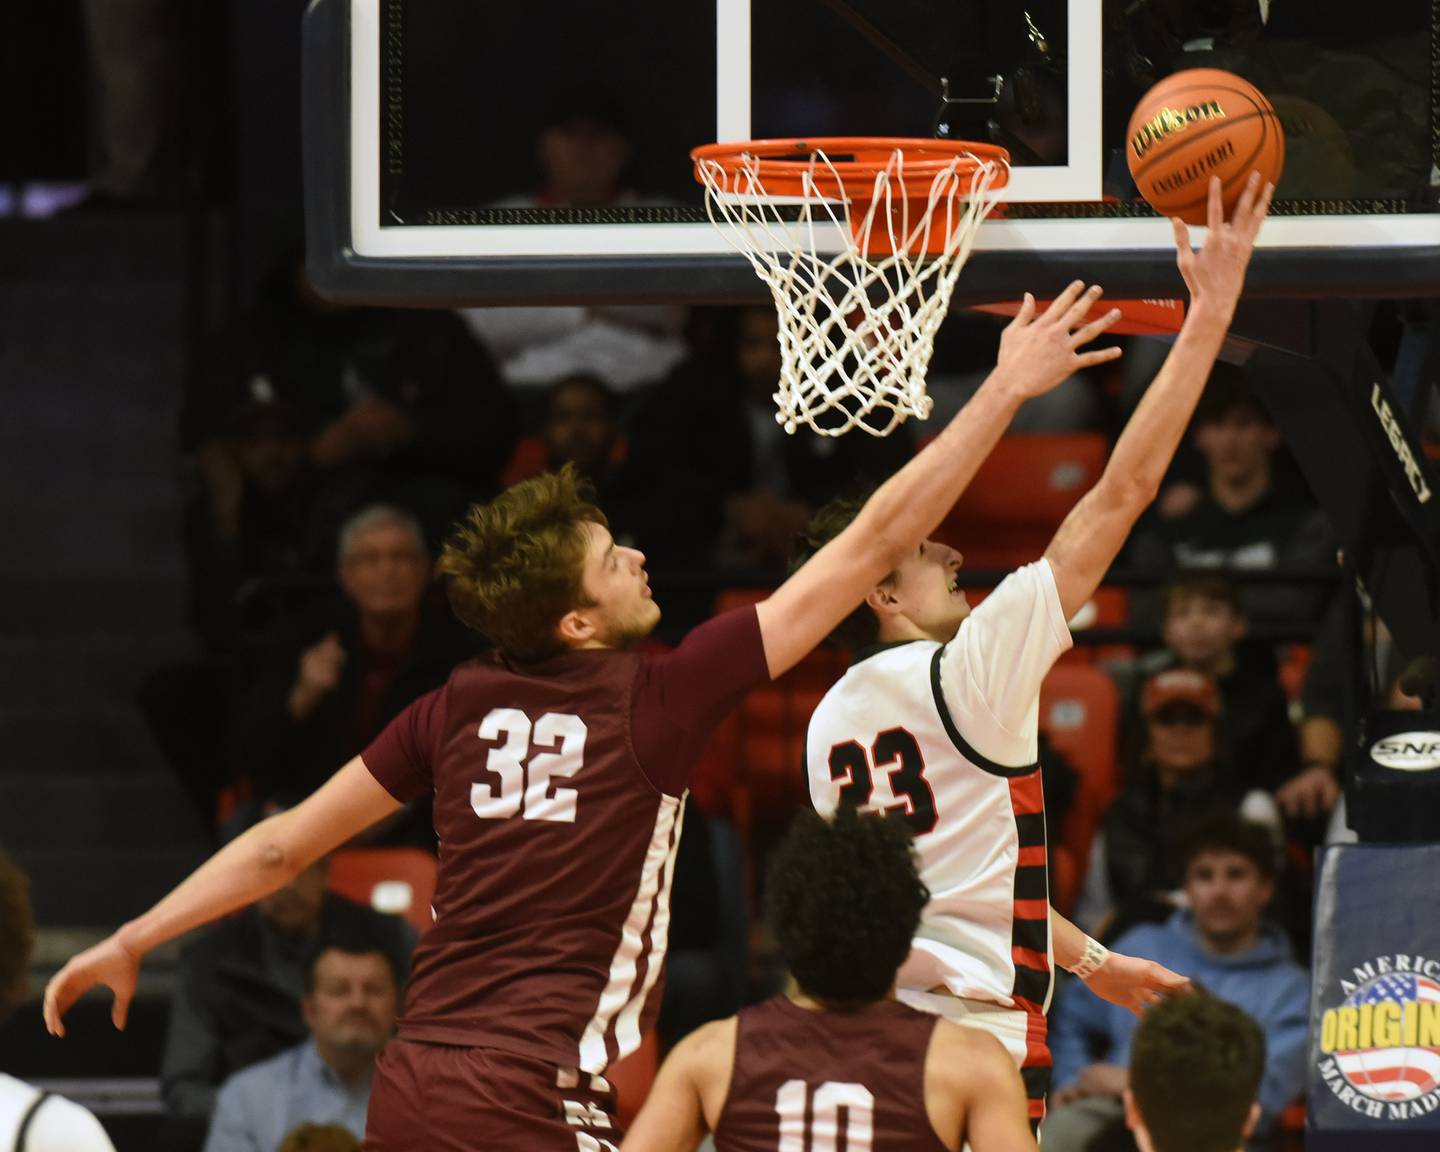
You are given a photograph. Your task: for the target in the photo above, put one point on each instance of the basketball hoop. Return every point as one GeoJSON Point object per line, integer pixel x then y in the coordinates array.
{"type": "Point", "coordinates": [857, 325]}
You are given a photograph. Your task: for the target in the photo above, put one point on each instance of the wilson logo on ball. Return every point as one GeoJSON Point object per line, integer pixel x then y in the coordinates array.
{"type": "Point", "coordinates": [1168, 121]}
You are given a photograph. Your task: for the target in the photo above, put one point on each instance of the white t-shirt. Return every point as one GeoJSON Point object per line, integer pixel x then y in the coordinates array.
{"type": "Point", "coordinates": [948, 735]}
{"type": "Point", "coordinates": [59, 1126]}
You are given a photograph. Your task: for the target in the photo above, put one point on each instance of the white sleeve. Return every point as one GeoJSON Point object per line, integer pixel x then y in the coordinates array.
{"type": "Point", "coordinates": [63, 1126]}
{"type": "Point", "coordinates": [990, 673]}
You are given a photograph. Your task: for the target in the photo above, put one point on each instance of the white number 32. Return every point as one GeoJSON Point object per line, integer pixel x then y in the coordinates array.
{"type": "Point", "coordinates": [524, 761]}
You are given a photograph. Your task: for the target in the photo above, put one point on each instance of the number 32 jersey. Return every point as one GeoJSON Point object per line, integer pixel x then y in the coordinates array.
{"type": "Point", "coordinates": [558, 799]}
{"type": "Point", "coordinates": [946, 736]}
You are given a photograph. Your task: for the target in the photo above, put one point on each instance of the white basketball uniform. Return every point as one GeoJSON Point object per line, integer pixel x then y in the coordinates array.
{"type": "Point", "coordinates": [947, 735]}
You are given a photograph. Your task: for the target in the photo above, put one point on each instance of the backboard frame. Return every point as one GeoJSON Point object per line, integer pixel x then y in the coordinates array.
{"type": "Point", "coordinates": [1388, 256]}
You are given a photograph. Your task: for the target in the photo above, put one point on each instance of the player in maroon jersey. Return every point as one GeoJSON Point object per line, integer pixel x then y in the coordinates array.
{"type": "Point", "coordinates": [838, 1061]}
{"type": "Point", "coordinates": [558, 768]}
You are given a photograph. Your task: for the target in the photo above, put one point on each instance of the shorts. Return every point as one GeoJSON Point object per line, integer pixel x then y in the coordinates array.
{"type": "Point", "coordinates": [439, 1098]}
{"type": "Point", "coordinates": [1023, 1033]}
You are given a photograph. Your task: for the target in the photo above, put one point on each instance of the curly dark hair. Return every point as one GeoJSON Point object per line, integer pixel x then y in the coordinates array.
{"type": "Point", "coordinates": [1195, 1067]}
{"type": "Point", "coordinates": [861, 628]}
{"type": "Point", "coordinates": [843, 899]}
{"type": "Point", "coordinates": [17, 934]}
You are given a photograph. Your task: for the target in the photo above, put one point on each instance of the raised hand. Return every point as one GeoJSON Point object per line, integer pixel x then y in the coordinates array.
{"type": "Point", "coordinates": [1215, 274]}
{"type": "Point", "coordinates": [108, 963]}
{"type": "Point", "coordinates": [1038, 352]}
{"type": "Point", "coordinates": [1134, 983]}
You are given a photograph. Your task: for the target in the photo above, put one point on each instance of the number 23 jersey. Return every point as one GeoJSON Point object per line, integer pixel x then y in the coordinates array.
{"type": "Point", "coordinates": [946, 736]}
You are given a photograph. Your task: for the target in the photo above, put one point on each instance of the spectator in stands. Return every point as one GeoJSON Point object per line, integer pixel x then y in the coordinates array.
{"type": "Point", "coordinates": [255, 517]}
{"type": "Point", "coordinates": [242, 982]}
{"type": "Point", "coordinates": [1247, 516]}
{"type": "Point", "coordinates": [394, 404]}
{"type": "Point", "coordinates": [1222, 941]}
{"type": "Point", "coordinates": [1182, 775]}
{"type": "Point", "coordinates": [30, 1118]}
{"type": "Point", "coordinates": [582, 427]}
{"type": "Point", "coordinates": [710, 441]}
{"type": "Point", "coordinates": [320, 1138]}
{"type": "Point", "coordinates": [1204, 629]}
{"type": "Point", "coordinates": [341, 676]}
{"type": "Point", "coordinates": [584, 153]}
{"type": "Point", "coordinates": [351, 991]}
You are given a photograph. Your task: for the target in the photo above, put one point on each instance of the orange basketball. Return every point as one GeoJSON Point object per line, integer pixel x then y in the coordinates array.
{"type": "Point", "coordinates": [1197, 124]}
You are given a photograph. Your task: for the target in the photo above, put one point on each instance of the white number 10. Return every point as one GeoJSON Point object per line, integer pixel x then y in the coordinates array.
{"type": "Point", "coordinates": [525, 760]}
{"type": "Point", "coordinates": [825, 1127]}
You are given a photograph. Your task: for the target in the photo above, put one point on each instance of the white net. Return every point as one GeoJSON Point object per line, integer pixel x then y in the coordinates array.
{"type": "Point", "coordinates": [857, 326]}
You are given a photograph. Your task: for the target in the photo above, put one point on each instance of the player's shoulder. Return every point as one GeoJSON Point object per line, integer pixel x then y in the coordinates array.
{"type": "Point", "coordinates": [970, 1056]}
{"type": "Point", "coordinates": [61, 1124]}
{"type": "Point", "coordinates": [708, 1048]}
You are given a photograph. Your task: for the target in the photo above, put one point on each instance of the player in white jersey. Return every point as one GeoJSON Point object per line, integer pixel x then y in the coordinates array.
{"type": "Point", "coordinates": [937, 718]}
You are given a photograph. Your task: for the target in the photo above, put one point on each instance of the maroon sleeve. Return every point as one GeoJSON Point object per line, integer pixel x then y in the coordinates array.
{"type": "Point", "coordinates": [682, 696]}
{"type": "Point", "coordinates": [401, 758]}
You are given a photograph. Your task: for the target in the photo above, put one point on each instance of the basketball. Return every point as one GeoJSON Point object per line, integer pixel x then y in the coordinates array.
{"type": "Point", "coordinates": [1197, 124]}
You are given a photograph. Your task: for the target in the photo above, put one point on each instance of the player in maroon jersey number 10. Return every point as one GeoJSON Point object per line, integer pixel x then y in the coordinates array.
{"type": "Point", "coordinates": [838, 1056]}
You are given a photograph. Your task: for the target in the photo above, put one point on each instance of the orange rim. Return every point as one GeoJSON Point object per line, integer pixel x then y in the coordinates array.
{"type": "Point", "coordinates": [783, 167]}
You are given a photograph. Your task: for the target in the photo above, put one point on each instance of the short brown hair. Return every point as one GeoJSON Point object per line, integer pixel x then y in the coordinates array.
{"type": "Point", "coordinates": [17, 934]}
{"type": "Point", "coordinates": [320, 1138]}
{"type": "Point", "coordinates": [1195, 1068]}
{"type": "Point", "coordinates": [1228, 832]}
{"type": "Point", "coordinates": [1228, 392]}
{"type": "Point", "coordinates": [861, 628]}
{"type": "Point", "coordinates": [1202, 584]}
{"type": "Point", "coordinates": [515, 565]}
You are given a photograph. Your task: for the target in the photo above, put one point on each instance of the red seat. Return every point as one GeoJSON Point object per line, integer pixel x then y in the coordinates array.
{"type": "Point", "coordinates": [400, 881]}
{"type": "Point", "coordinates": [632, 1077]}
{"type": "Point", "coordinates": [1020, 495]}
{"type": "Point", "coordinates": [1078, 712]}
{"type": "Point", "coordinates": [1293, 670]}
{"type": "Point", "coordinates": [526, 460]}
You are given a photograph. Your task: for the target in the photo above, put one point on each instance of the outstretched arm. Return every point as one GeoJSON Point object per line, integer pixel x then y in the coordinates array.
{"type": "Point", "coordinates": [1095, 530]}
{"type": "Point", "coordinates": [1036, 354]}
{"type": "Point", "coordinates": [263, 859]}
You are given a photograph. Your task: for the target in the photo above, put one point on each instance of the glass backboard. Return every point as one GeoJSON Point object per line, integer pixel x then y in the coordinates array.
{"type": "Point", "coordinates": [438, 133]}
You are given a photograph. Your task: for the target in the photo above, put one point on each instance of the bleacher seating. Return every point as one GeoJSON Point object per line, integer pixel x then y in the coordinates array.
{"type": "Point", "coordinates": [1079, 713]}
{"type": "Point", "coordinates": [397, 881]}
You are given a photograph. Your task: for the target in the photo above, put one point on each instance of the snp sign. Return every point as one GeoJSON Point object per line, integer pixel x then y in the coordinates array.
{"type": "Point", "coordinates": [1408, 752]}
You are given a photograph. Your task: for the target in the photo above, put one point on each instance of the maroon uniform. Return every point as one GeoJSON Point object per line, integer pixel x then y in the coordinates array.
{"type": "Point", "coordinates": [805, 1080]}
{"type": "Point", "coordinates": [558, 799]}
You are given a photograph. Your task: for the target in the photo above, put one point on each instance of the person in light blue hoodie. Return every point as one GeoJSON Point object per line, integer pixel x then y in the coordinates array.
{"type": "Point", "coordinates": [1224, 944]}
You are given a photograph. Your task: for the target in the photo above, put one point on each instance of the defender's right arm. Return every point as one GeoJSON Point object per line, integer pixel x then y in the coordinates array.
{"type": "Point", "coordinates": [1036, 354]}
{"type": "Point", "coordinates": [254, 864]}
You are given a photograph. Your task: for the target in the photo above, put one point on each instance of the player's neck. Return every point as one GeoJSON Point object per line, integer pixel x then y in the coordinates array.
{"type": "Point", "coordinates": [802, 999]}
{"type": "Point", "coordinates": [902, 630]}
